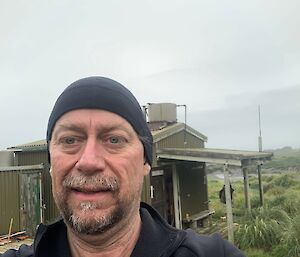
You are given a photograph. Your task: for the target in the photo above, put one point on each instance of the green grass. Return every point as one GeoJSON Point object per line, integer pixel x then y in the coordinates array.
{"type": "Point", "coordinates": [256, 253]}
{"type": "Point", "coordinates": [272, 231]}
{"type": "Point", "coordinates": [262, 228]}
{"type": "Point", "coordinates": [284, 159]}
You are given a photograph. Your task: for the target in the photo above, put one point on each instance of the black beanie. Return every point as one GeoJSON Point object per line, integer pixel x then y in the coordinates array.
{"type": "Point", "coordinates": [106, 94]}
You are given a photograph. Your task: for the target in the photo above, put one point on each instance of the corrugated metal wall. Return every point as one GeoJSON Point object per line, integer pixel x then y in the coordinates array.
{"type": "Point", "coordinates": [30, 158]}
{"type": "Point", "coordinates": [20, 198]}
{"type": "Point", "coordinates": [6, 158]}
{"type": "Point", "coordinates": [9, 201]}
{"type": "Point", "coordinates": [177, 141]}
{"type": "Point", "coordinates": [51, 212]}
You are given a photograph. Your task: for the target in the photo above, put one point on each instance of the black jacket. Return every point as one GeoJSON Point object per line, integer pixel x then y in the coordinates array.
{"type": "Point", "coordinates": [157, 239]}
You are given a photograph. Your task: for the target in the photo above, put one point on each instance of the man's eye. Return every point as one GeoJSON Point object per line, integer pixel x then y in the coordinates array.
{"type": "Point", "coordinates": [68, 140]}
{"type": "Point", "coordinates": [114, 140]}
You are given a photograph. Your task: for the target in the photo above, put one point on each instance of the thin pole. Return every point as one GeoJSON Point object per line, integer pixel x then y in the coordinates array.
{"type": "Point", "coordinates": [261, 189]}
{"type": "Point", "coordinates": [246, 189]}
{"type": "Point", "coordinates": [185, 118]}
{"type": "Point", "coordinates": [259, 137]}
{"type": "Point", "coordinates": [261, 192]}
{"type": "Point", "coordinates": [228, 204]}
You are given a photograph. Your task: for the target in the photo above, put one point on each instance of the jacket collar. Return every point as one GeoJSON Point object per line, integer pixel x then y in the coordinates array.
{"type": "Point", "coordinates": [51, 240]}
{"type": "Point", "coordinates": [157, 238]}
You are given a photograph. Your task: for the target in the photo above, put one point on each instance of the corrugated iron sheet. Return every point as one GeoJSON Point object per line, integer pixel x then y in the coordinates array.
{"type": "Point", "coordinates": [9, 201]}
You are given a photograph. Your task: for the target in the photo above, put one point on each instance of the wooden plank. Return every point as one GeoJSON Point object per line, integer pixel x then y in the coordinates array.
{"type": "Point", "coordinates": [246, 189]}
{"type": "Point", "coordinates": [10, 227]}
{"type": "Point", "coordinates": [228, 205]}
{"type": "Point", "coordinates": [177, 203]}
{"type": "Point", "coordinates": [12, 235]}
{"type": "Point", "coordinates": [199, 159]}
{"type": "Point", "coordinates": [198, 216]}
{"type": "Point", "coordinates": [4, 242]}
{"type": "Point", "coordinates": [23, 168]}
{"type": "Point", "coordinates": [261, 189]}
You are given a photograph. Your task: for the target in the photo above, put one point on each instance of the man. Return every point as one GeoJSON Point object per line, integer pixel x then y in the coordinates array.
{"type": "Point", "coordinates": [100, 149]}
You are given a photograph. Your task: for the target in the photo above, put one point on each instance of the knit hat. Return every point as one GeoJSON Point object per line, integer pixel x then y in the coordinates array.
{"type": "Point", "coordinates": [105, 94]}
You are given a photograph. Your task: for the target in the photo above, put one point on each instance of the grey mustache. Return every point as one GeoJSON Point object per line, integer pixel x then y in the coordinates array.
{"type": "Point", "coordinates": [91, 183]}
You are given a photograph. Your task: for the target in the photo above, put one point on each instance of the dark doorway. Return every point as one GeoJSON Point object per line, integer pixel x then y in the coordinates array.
{"type": "Point", "coordinates": [157, 192]}
{"type": "Point", "coordinates": [161, 192]}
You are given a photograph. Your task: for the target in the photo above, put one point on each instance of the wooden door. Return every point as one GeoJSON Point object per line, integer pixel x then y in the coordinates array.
{"type": "Point", "coordinates": [30, 201]}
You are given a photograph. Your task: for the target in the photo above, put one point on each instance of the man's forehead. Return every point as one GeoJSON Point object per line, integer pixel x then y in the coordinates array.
{"type": "Point", "coordinates": [98, 118]}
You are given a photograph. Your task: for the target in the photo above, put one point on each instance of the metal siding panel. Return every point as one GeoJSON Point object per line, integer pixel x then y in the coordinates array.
{"type": "Point", "coordinates": [177, 141]}
{"type": "Point", "coordinates": [6, 158]}
{"type": "Point", "coordinates": [30, 158]}
{"type": "Point", "coordinates": [9, 201]}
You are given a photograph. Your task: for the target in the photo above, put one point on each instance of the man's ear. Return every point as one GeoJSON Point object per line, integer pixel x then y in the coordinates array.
{"type": "Point", "coordinates": [146, 168]}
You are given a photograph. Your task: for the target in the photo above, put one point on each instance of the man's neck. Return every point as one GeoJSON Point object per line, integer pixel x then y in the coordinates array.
{"type": "Point", "coordinates": [118, 241]}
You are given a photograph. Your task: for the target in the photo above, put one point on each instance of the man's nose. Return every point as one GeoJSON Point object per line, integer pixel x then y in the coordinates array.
{"type": "Point", "coordinates": [92, 157]}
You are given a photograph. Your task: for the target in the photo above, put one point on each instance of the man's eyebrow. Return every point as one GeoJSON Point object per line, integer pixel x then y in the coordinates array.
{"type": "Point", "coordinates": [104, 128]}
{"type": "Point", "coordinates": [107, 128]}
{"type": "Point", "coordinates": [67, 127]}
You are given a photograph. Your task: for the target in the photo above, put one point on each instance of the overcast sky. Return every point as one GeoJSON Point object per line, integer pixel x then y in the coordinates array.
{"type": "Point", "coordinates": [220, 58]}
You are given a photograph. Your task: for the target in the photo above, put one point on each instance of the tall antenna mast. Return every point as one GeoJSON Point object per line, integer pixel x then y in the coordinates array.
{"type": "Point", "coordinates": [259, 137]}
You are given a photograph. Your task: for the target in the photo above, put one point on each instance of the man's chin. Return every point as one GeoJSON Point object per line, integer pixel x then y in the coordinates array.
{"type": "Point", "coordinates": [92, 221]}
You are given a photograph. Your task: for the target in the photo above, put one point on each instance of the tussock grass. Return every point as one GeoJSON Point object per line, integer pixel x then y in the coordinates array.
{"type": "Point", "coordinates": [274, 191]}
{"type": "Point", "coordinates": [292, 238]}
{"type": "Point", "coordinates": [288, 200]}
{"type": "Point", "coordinates": [269, 231]}
{"type": "Point", "coordinates": [256, 253]}
{"type": "Point", "coordinates": [285, 181]}
{"type": "Point", "coordinates": [262, 228]}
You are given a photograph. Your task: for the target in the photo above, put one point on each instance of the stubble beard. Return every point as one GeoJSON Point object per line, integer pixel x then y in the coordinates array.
{"type": "Point", "coordinates": [84, 220]}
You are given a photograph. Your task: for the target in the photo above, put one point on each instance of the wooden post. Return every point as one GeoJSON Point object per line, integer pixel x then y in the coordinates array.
{"type": "Point", "coordinates": [177, 204]}
{"type": "Point", "coordinates": [246, 189]}
{"type": "Point", "coordinates": [10, 228]}
{"type": "Point", "coordinates": [228, 204]}
{"type": "Point", "coordinates": [261, 189]}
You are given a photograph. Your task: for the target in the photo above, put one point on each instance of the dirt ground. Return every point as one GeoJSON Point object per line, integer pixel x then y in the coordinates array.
{"type": "Point", "coordinates": [15, 244]}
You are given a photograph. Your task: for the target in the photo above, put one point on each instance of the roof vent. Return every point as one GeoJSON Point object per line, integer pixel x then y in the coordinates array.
{"type": "Point", "coordinates": [162, 112]}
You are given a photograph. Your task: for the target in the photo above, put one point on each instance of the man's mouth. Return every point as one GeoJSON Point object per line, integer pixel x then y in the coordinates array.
{"type": "Point", "coordinates": [89, 190]}
{"type": "Point", "coordinates": [83, 194]}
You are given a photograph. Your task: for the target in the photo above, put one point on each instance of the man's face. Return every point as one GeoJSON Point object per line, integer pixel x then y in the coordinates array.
{"type": "Point", "coordinates": [97, 163]}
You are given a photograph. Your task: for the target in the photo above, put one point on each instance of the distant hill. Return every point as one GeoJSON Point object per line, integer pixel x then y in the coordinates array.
{"type": "Point", "coordinates": [285, 158]}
